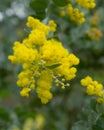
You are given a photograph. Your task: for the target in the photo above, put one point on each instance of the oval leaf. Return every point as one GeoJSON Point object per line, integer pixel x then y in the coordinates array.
{"type": "Point", "coordinates": [54, 66]}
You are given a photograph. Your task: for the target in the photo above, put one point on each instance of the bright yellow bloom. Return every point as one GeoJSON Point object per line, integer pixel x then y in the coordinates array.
{"type": "Point", "coordinates": [25, 92]}
{"type": "Point", "coordinates": [22, 54]}
{"type": "Point", "coordinates": [86, 81]}
{"type": "Point", "coordinates": [36, 24]}
{"type": "Point", "coordinates": [52, 25]}
{"type": "Point", "coordinates": [87, 4]}
{"type": "Point", "coordinates": [44, 86]}
{"type": "Point", "coordinates": [53, 51]}
{"type": "Point", "coordinates": [37, 37]}
{"type": "Point", "coordinates": [93, 88]}
{"type": "Point", "coordinates": [75, 14]}
{"type": "Point", "coordinates": [25, 78]}
{"type": "Point", "coordinates": [42, 60]}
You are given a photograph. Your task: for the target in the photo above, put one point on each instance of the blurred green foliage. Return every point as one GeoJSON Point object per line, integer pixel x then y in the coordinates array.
{"type": "Point", "coordinates": [70, 109]}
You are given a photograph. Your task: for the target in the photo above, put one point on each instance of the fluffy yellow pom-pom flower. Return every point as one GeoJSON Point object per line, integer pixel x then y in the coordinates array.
{"type": "Point", "coordinates": [43, 60]}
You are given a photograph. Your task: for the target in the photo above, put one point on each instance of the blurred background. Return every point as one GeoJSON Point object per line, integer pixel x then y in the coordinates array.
{"type": "Point", "coordinates": [69, 108]}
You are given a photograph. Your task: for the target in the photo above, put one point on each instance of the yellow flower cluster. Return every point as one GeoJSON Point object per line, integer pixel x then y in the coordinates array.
{"type": "Point", "coordinates": [94, 34]}
{"type": "Point", "coordinates": [93, 88]}
{"type": "Point", "coordinates": [87, 4]}
{"type": "Point", "coordinates": [74, 13]}
{"type": "Point", "coordinates": [43, 60]}
{"type": "Point", "coordinates": [44, 85]}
